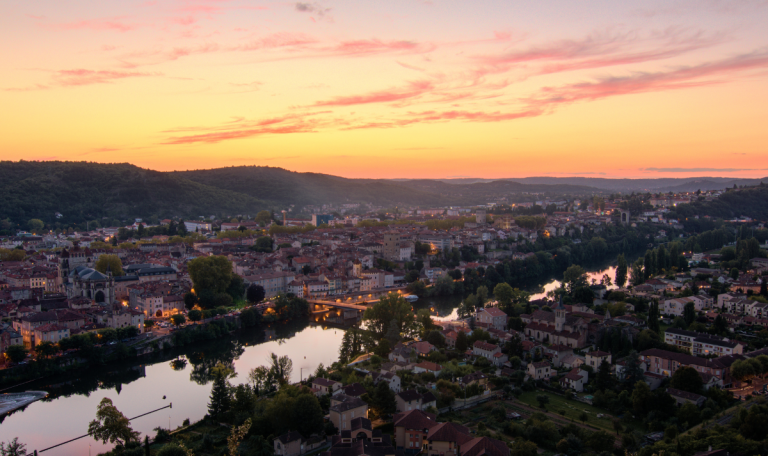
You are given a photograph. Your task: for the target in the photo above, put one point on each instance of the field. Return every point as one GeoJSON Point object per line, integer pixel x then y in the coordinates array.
{"type": "Point", "coordinates": [573, 410]}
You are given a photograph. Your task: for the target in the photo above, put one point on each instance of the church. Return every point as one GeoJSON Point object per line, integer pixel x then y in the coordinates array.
{"type": "Point", "coordinates": [559, 327]}
{"type": "Point", "coordinates": [90, 283]}
{"type": "Point", "coordinates": [79, 279]}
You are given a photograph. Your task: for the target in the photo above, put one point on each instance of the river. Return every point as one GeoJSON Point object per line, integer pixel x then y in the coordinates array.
{"type": "Point", "coordinates": [181, 377]}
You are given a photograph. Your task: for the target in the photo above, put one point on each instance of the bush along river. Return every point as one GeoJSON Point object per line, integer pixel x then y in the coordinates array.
{"type": "Point", "coordinates": [181, 376]}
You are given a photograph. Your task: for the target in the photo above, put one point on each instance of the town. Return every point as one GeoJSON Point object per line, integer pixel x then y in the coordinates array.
{"type": "Point", "coordinates": [673, 339]}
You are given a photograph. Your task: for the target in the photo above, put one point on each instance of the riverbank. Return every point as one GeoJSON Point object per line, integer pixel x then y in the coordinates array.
{"type": "Point", "coordinates": [180, 375]}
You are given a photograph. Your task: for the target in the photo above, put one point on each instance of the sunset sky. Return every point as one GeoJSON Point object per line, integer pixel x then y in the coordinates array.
{"type": "Point", "coordinates": [390, 89]}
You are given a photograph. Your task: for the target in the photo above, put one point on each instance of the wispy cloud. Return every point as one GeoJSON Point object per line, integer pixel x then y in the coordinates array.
{"type": "Point", "coordinates": [118, 24]}
{"type": "Point", "coordinates": [700, 170]}
{"type": "Point", "coordinates": [241, 129]}
{"type": "Point", "coordinates": [315, 9]}
{"type": "Point", "coordinates": [414, 89]}
{"type": "Point", "coordinates": [82, 77]}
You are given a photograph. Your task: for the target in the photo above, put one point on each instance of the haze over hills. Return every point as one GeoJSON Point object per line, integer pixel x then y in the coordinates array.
{"type": "Point", "coordinates": [82, 191]}
{"type": "Point", "coordinates": [673, 184]}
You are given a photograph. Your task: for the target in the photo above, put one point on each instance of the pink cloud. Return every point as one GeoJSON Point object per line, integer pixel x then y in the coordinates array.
{"type": "Point", "coordinates": [81, 76]}
{"type": "Point", "coordinates": [241, 129]}
{"type": "Point", "coordinates": [684, 77]}
{"type": "Point", "coordinates": [414, 89]}
{"type": "Point", "coordinates": [116, 23]}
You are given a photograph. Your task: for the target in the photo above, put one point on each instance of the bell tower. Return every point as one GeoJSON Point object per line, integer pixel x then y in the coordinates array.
{"type": "Point", "coordinates": [559, 316]}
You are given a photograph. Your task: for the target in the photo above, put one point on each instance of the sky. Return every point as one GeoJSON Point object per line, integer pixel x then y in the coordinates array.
{"type": "Point", "coordinates": [390, 89]}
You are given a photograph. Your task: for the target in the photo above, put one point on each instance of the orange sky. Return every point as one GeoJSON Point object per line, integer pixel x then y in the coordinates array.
{"type": "Point", "coordinates": [390, 89]}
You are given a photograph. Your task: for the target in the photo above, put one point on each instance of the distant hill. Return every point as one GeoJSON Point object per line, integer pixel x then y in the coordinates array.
{"type": "Point", "coordinates": [83, 191]}
{"type": "Point", "coordinates": [282, 187]}
{"type": "Point", "coordinates": [673, 184]}
{"type": "Point", "coordinates": [751, 202]}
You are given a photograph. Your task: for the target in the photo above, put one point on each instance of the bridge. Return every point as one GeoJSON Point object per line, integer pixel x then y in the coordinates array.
{"type": "Point", "coordinates": [340, 305]}
{"type": "Point", "coordinates": [355, 301]}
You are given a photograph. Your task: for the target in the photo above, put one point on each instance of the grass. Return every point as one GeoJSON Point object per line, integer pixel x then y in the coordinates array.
{"type": "Point", "coordinates": [572, 410]}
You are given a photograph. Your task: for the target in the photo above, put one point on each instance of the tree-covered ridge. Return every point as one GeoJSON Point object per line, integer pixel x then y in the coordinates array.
{"type": "Point", "coordinates": [281, 186]}
{"type": "Point", "coordinates": [750, 202]}
{"type": "Point", "coordinates": [86, 191]}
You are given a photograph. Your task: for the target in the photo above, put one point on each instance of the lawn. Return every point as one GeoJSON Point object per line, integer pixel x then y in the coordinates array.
{"type": "Point", "coordinates": [573, 409]}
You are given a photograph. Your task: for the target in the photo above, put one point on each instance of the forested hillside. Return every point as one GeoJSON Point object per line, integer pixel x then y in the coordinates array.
{"type": "Point", "coordinates": [283, 187]}
{"type": "Point", "coordinates": [83, 191]}
{"type": "Point", "coordinates": [750, 202]}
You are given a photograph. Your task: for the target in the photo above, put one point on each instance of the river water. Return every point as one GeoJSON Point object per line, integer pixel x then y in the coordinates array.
{"type": "Point", "coordinates": [181, 377]}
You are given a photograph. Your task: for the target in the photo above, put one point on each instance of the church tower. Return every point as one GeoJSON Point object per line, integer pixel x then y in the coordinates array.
{"type": "Point", "coordinates": [559, 316]}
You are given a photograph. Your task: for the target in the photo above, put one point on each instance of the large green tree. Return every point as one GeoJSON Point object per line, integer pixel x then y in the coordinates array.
{"type": "Point", "coordinates": [211, 273]}
{"type": "Point", "coordinates": [574, 277]}
{"type": "Point", "coordinates": [621, 271]}
{"type": "Point", "coordinates": [110, 261]}
{"type": "Point", "coordinates": [687, 379]}
{"type": "Point", "coordinates": [16, 353]}
{"type": "Point", "coordinates": [221, 397]}
{"type": "Point", "coordinates": [111, 425]}
{"type": "Point", "coordinates": [389, 308]}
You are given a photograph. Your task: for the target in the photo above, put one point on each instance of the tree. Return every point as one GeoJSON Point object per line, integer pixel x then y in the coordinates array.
{"type": "Point", "coordinates": [250, 318]}
{"type": "Point", "coordinates": [384, 399]}
{"type": "Point", "coordinates": [417, 288]}
{"type": "Point", "coordinates": [195, 315]}
{"type": "Point", "coordinates": [687, 379]}
{"type": "Point", "coordinates": [13, 448]}
{"type": "Point", "coordinates": [281, 368]}
{"type": "Point", "coordinates": [742, 370]}
{"type": "Point", "coordinates": [210, 273]}
{"type": "Point", "coordinates": [424, 319]}
{"type": "Point", "coordinates": [720, 326]}
{"type": "Point", "coordinates": [653, 317]}
{"type": "Point", "coordinates": [641, 398]}
{"type": "Point", "coordinates": [171, 449]}
{"type": "Point", "coordinates": [444, 286]}
{"type": "Point", "coordinates": [307, 415]}
{"type": "Point", "coordinates": [603, 379]}
{"type": "Point", "coordinates": [35, 225]}
{"type": "Point", "coordinates": [467, 307]}
{"type": "Point", "coordinates": [633, 372]}
{"type": "Point", "coordinates": [178, 319]}
{"type": "Point", "coordinates": [543, 400]}
{"type": "Point", "coordinates": [46, 349]}
{"type": "Point", "coordinates": [638, 276]}
{"type": "Point", "coordinates": [392, 307]}
{"type": "Point", "coordinates": [503, 293]}
{"type": "Point", "coordinates": [190, 299]}
{"type": "Point", "coordinates": [263, 244]}
{"type": "Point", "coordinates": [260, 379]}
{"type": "Point", "coordinates": [617, 426]}
{"type": "Point", "coordinates": [522, 447]}
{"type": "Point", "coordinates": [111, 262]}
{"type": "Point", "coordinates": [255, 293]}
{"type": "Point", "coordinates": [689, 313]}
{"type": "Point", "coordinates": [221, 398]}
{"type": "Point", "coordinates": [462, 342]}
{"type": "Point", "coordinates": [111, 425]}
{"type": "Point", "coordinates": [263, 218]}
{"type": "Point", "coordinates": [583, 417]}
{"type": "Point", "coordinates": [148, 324]}
{"type": "Point", "coordinates": [16, 353]}
{"type": "Point", "coordinates": [482, 296]}
{"type": "Point", "coordinates": [574, 277]}
{"type": "Point", "coordinates": [621, 271]}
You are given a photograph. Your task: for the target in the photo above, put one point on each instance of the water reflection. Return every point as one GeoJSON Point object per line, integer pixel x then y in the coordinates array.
{"type": "Point", "coordinates": [155, 381]}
